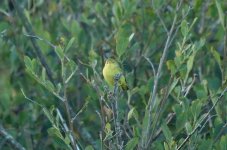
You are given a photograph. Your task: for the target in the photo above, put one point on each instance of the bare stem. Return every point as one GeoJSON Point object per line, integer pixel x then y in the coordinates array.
{"type": "Point", "coordinates": [152, 100]}
{"type": "Point", "coordinates": [67, 108]}
{"type": "Point", "coordinates": [10, 140]}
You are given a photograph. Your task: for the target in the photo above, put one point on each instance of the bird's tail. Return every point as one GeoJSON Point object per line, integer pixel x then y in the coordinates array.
{"type": "Point", "coordinates": [124, 87]}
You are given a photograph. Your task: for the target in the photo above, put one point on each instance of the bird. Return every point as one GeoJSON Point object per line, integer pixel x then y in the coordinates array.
{"type": "Point", "coordinates": [111, 71]}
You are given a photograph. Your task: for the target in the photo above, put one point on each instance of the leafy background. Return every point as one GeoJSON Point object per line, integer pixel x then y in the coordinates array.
{"type": "Point", "coordinates": [192, 78]}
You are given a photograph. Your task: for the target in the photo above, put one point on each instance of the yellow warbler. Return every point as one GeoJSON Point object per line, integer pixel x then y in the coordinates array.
{"type": "Point", "coordinates": [110, 71]}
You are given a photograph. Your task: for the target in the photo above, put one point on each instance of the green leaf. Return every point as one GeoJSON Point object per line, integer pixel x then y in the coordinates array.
{"type": "Point", "coordinates": [122, 39]}
{"type": "Point", "coordinates": [108, 127]}
{"type": "Point", "coordinates": [108, 132]}
{"type": "Point", "coordinates": [132, 144]}
{"type": "Point", "coordinates": [75, 28]}
{"type": "Point", "coordinates": [55, 132]}
{"type": "Point", "coordinates": [67, 140]}
{"type": "Point", "coordinates": [89, 148]}
{"type": "Point", "coordinates": [28, 63]}
{"type": "Point", "coordinates": [145, 121]}
{"type": "Point", "coordinates": [166, 146]}
{"type": "Point", "coordinates": [59, 52]}
{"type": "Point", "coordinates": [43, 74]}
{"type": "Point", "coordinates": [205, 145]}
{"type": "Point", "coordinates": [221, 14]}
{"type": "Point", "coordinates": [117, 11]}
{"type": "Point", "coordinates": [4, 26]}
{"type": "Point", "coordinates": [184, 28]}
{"type": "Point", "coordinates": [157, 4]}
{"type": "Point", "coordinates": [49, 86]}
{"type": "Point", "coordinates": [167, 133]}
{"type": "Point", "coordinates": [69, 44]}
{"type": "Point", "coordinates": [34, 65]}
{"type": "Point", "coordinates": [173, 85]}
{"type": "Point", "coordinates": [199, 44]}
{"type": "Point", "coordinates": [200, 91]}
{"type": "Point", "coordinates": [223, 142]}
{"type": "Point", "coordinates": [129, 7]}
{"type": "Point", "coordinates": [217, 57]}
{"type": "Point", "coordinates": [188, 127]}
{"type": "Point", "coordinates": [130, 113]}
{"type": "Point", "coordinates": [194, 21]}
{"type": "Point", "coordinates": [196, 108]}
{"type": "Point", "coordinates": [98, 7]}
{"type": "Point", "coordinates": [59, 88]}
{"type": "Point", "coordinates": [48, 114]}
{"type": "Point", "coordinates": [27, 15]}
{"type": "Point", "coordinates": [171, 66]}
{"type": "Point", "coordinates": [190, 63]}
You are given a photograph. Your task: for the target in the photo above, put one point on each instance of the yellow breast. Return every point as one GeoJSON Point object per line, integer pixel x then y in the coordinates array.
{"type": "Point", "coordinates": [110, 70]}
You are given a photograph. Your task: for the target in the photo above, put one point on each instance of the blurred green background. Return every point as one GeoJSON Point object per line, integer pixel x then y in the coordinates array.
{"type": "Point", "coordinates": [132, 31]}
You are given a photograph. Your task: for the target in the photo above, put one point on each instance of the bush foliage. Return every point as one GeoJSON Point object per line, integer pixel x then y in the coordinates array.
{"type": "Point", "coordinates": [53, 95]}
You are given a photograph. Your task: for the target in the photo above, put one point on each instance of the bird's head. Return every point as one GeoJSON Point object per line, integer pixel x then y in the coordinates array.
{"type": "Point", "coordinates": [111, 61]}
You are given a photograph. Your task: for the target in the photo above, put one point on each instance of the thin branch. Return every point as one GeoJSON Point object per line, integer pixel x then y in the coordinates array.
{"type": "Point", "coordinates": [152, 98]}
{"type": "Point", "coordinates": [80, 111]}
{"type": "Point", "coordinates": [29, 30]}
{"type": "Point", "coordinates": [66, 104]}
{"type": "Point", "coordinates": [152, 66]}
{"type": "Point", "coordinates": [187, 90]}
{"type": "Point", "coordinates": [160, 18]}
{"type": "Point", "coordinates": [10, 140]}
{"type": "Point", "coordinates": [41, 39]}
{"type": "Point", "coordinates": [66, 128]}
{"type": "Point", "coordinates": [202, 120]}
{"type": "Point", "coordinates": [208, 119]}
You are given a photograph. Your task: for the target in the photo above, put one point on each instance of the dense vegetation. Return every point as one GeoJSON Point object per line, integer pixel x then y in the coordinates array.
{"type": "Point", "coordinates": [53, 95]}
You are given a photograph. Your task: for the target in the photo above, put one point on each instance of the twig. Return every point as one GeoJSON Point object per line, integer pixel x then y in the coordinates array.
{"type": "Point", "coordinates": [153, 94]}
{"type": "Point", "coordinates": [66, 127]}
{"type": "Point", "coordinates": [66, 104]}
{"type": "Point", "coordinates": [160, 18]}
{"type": "Point", "coordinates": [80, 111]}
{"type": "Point", "coordinates": [22, 91]}
{"type": "Point", "coordinates": [199, 124]}
{"type": "Point", "coordinates": [29, 30]}
{"type": "Point", "coordinates": [187, 89]}
{"type": "Point", "coordinates": [101, 99]}
{"type": "Point", "coordinates": [152, 66]}
{"type": "Point", "coordinates": [208, 119]}
{"type": "Point", "coordinates": [59, 114]}
{"type": "Point", "coordinates": [41, 39]}
{"type": "Point", "coordinates": [10, 140]}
